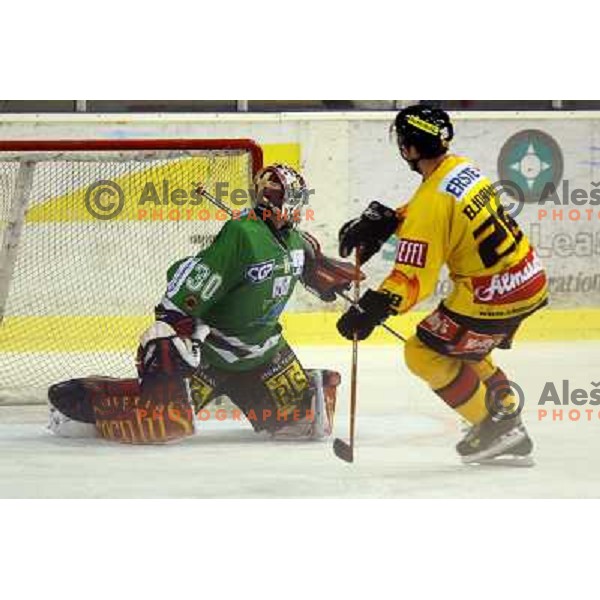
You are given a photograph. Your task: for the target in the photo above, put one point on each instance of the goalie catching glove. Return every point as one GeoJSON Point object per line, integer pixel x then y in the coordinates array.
{"type": "Point", "coordinates": [170, 347]}
{"type": "Point", "coordinates": [368, 232]}
{"type": "Point", "coordinates": [323, 276]}
{"type": "Point", "coordinates": [168, 355]}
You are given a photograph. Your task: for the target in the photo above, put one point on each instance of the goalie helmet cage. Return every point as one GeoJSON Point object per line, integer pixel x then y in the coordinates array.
{"type": "Point", "coordinates": [88, 230]}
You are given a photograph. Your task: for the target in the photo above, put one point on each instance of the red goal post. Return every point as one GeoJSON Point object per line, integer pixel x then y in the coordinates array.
{"type": "Point", "coordinates": [105, 145]}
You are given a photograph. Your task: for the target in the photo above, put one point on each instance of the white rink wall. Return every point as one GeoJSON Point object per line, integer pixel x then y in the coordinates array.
{"type": "Point", "coordinates": [349, 160]}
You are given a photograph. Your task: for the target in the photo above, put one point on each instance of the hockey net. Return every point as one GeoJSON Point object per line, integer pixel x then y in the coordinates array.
{"type": "Point", "coordinates": [88, 230]}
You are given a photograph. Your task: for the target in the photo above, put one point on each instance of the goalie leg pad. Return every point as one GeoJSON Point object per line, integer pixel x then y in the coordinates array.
{"type": "Point", "coordinates": [165, 416]}
{"type": "Point", "coordinates": [324, 383]}
{"type": "Point", "coordinates": [318, 423]}
{"type": "Point", "coordinates": [281, 397]}
{"type": "Point", "coordinates": [71, 399]}
{"type": "Point", "coordinates": [118, 412]}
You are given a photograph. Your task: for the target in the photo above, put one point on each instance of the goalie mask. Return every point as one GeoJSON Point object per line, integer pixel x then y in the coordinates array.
{"type": "Point", "coordinates": [282, 190]}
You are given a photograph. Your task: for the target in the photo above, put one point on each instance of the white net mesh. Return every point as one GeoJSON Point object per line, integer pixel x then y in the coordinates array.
{"type": "Point", "coordinates": [82, 288]}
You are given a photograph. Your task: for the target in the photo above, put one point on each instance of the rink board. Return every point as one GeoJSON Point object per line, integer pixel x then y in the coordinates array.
{"type": "Point", "coordinates": [39, 334]}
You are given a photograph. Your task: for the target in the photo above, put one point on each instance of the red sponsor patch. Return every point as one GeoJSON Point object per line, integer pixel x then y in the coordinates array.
{"type": "Point", "coordinates": [520, 282]}
{"type": "Point", "coordinates": [440, 325]}
{"type": "Point", "coordinates": [412, 252]}
{"type": "Point", "coordinates": [480, 343]}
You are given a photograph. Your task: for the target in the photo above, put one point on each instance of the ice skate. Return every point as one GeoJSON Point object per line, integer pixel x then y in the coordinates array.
{"type": "Point", "coordinates": [498, 442]}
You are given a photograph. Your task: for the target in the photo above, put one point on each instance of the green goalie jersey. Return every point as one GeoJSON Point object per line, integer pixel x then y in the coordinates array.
{"type": "Point", "coordinates": [239, 287]}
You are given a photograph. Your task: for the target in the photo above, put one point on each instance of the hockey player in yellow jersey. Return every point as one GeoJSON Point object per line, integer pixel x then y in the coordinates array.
{"type": "Point", "coordinates": [453, 218]}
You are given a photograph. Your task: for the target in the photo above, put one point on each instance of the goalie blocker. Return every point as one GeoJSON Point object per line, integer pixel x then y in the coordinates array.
{"type": "Point", "coordinates": [323, 276]}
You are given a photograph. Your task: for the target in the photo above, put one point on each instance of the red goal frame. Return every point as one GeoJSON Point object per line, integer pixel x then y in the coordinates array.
{"type": "Point", "coordinates": [87, 145]}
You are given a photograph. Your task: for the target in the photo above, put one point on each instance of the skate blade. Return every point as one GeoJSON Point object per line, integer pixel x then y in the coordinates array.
{"type": "Point", "coordinates": [501, 449]}
{"type": "Point", "coordinates": [506, 460]}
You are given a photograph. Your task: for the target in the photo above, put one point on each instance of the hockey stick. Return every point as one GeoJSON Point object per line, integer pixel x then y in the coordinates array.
{"type": "Point", "coordinates": [342, 449]}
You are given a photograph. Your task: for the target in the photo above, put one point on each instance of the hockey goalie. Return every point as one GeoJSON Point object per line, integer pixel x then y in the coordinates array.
{"type": "Point", "coordinates": [217, 333]}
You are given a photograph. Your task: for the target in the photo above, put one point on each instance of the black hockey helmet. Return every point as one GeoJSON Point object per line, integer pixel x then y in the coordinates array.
{"type": "Point", "coordinates": [425, 127]}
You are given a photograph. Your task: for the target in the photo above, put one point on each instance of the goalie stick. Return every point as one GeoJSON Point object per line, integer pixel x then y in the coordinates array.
{"type": "Point", "coordinates": [202, 191]}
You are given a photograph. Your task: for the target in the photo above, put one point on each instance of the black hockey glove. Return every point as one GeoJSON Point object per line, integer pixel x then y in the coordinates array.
{"type": "Point", "coordinates": [375, 308]}
{"type": "Point", "coordinates": [369, 231]}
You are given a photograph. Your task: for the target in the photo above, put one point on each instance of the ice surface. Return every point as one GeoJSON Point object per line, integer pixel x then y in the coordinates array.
{"type": "Point", "coordinates": [405, 444]}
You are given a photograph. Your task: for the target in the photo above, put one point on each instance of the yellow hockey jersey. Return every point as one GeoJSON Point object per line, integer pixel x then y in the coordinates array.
{"type": "Point", "coordinates": [455, 218]}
